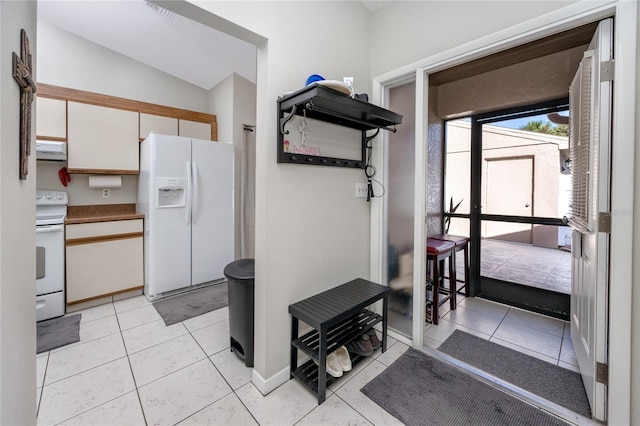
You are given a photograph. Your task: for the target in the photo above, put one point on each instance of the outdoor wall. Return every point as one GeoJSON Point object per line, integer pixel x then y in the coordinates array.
{"type": "Point", "coordinates": [435, 164]}
{"type": "Point", "coordinates": [17, 232]}
{"type": "Point", "coordinates": [502, 144]}
{"type": "Point", "coordinates": [311, 232]}
{"type": "Point", "coordinates": [537, 80]}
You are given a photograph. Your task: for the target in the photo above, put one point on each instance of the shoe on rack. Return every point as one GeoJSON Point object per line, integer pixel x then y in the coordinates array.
{"type": "Point", "coordinates": [333, 366]}
{"type": "Point", "coordinates": [342, 355]}
{"type": "Point", "coordinates": [361, 346]}
{"type": "Point", "coordinates": [375, 342]}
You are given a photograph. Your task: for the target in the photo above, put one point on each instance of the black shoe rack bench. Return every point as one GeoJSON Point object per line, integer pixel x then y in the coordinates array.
{"type": "Point", "coordinates": [337, 316]}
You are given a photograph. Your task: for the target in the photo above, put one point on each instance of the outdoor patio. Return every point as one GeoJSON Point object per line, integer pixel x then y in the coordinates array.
{"type": "Point", "coordinates": [524, 264]}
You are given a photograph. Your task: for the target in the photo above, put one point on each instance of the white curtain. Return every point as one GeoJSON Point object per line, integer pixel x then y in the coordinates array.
{"type": "Point", "coordinates": [247, 192]}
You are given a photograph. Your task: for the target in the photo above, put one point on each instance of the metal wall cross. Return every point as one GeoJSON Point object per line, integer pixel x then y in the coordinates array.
{"type": "Point", "coordinates": [22, 74]}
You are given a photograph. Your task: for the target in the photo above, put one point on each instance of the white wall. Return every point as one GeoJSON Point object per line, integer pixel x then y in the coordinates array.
{"type": "Point", "coordinates": [244, 105]}
{"type": "Point", "coordinates": [78, 189]}
{"type": "Point", "coordinates": [70, 61]}
{"type": "Point", "coordinates": [221, 101]}
{"type": "Point", "coordinates": [233, 101]}
{"type": "Point", "coordinates": [404, 32]}
{"type": "Point", "coordinates": [311, 232]}
{"type": "Point", "coordinates": [635, 336]}
{"type": "Point", "coordinates": [17, 233]}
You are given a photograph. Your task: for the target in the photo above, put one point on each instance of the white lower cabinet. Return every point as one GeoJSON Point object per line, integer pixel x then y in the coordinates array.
{"type": "Point", "coordinates": [103, 259]}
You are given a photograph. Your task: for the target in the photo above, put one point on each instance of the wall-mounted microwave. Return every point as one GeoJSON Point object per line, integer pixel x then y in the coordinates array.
{"type": "Point", "coordinates": [51, 150]}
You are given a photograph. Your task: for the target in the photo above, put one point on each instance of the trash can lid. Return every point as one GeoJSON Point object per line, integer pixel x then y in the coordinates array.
{"type": "Point", "coordinates": [242, 269]}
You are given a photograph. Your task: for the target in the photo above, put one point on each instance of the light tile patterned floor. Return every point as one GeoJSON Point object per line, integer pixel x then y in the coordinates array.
{"type": "Point", "coordinates": [129, 368]}
{"type": "Point", "coordinates": [536, 335]}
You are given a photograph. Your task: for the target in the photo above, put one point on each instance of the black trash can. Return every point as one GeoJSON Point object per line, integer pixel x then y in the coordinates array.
{"type": "Point", "coordinates": [241, 280]}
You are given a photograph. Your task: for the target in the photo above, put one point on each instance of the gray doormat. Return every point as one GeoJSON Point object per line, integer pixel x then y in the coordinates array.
{"type": "Point", "coordinates": [57, 332]}
{"type": "Point", "coordinates": [421, 390]}
{"type": "Point", "coordinates": [183, 306]}
{"type": "Point", "coordinates": [551, 382]}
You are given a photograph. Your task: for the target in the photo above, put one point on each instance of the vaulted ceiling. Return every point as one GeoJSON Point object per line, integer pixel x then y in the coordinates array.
{"type": "Point", "coordinates": [159, 38]}
{"type": "Point", "coordinates": [156, 37]}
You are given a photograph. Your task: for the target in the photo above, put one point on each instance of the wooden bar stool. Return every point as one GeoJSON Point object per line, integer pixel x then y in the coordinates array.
{"type": "Point", "coordinates": [462, 244]}
{"type": "Point", "coordinates": [437, 252]}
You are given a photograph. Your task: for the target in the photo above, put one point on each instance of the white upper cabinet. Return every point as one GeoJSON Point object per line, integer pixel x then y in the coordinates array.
{"type": "Point", "coordinates": [51, 118]}
{"type": "Point", "coordinates": [194, 129]}
{"type": "Point", "coordinates": [102, 139]}
{"type": "Point", "coordinates": [157, 124]}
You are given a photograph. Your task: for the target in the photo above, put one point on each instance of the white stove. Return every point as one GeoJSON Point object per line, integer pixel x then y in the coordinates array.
{"type": "Point", "coordinates": [51, 207]}
{"type": "Point", "coordinates": [51, 211]}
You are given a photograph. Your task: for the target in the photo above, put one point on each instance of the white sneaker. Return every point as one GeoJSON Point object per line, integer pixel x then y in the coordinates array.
{"type": "Point", "coordinates": [342, 355]}
{"type": "Point", "coordinates": [333, 366]}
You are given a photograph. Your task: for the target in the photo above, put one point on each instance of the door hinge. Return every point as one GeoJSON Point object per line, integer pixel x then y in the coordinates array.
{"type": "Point", "coordinates": [607, 70]}
{"type": "Point", "coordinates": [604, 222]}
{"type": "Point", "coordinates": [602, 373]}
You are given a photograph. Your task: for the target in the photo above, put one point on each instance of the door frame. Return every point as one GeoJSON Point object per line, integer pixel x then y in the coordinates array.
{"type": "Point", "coordinates": [623, 156]}
{"type": "Point", "coordinates": [531, 298]}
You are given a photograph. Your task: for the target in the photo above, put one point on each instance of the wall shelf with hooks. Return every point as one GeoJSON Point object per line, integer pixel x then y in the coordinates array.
{"type": "Point", "coordinates": [331, 106]}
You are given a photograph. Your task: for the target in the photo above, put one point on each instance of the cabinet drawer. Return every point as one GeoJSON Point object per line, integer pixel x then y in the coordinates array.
{"type": "Point", "coordinates": [100, 229]}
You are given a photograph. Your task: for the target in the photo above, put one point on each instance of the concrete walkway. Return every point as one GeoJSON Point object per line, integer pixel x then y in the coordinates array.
{"type": "Point", "coordinates": [525, 264]}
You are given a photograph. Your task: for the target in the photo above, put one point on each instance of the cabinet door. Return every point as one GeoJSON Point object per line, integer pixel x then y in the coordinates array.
{"type": "Point", "coordinates": [103, 259]}
{"type": "Point", "coordinates": [157, 124]}
{"type": "Point", "coordinates": [51, 118]}
{"type": "Point", "coordinates": [102, 139]}
{"type": "Point", "coordinates": [194, 129]}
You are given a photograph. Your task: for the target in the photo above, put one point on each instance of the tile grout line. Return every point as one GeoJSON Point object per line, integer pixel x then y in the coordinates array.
{"type": "Point", "coordinates": [133, 376]}
{"type": "Point", "coordinates": [347, 403]}
{"type": "Point", "coordinates": [44, 375]}
{"type": "Point", "coordinates": [106, 402]}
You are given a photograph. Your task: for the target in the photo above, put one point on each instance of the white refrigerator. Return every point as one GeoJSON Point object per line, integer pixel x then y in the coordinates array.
{"type": "Point", "coordinates": [185, 191]}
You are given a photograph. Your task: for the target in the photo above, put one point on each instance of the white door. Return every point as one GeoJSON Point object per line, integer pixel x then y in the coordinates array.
{"type": "Point", "coordinates": [508, 191]}
{"type": "Point", "coordinates": [590, 144]}
{"type": "Point", "coordinates": [169, 221]}
{"type": "Point", "coordinates": [213, 231]}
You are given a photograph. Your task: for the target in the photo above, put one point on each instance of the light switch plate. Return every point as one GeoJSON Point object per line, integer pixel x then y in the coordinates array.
{"type": "Point", "coordinates": [361, 190]}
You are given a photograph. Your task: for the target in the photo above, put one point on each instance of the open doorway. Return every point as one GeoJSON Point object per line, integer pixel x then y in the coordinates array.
{"type": "Point", "coordinates": [512, 166]}
{"type": "Point", "coordinates": [503, 206]}
{"type": "Point", "coordinates": [429, 128]}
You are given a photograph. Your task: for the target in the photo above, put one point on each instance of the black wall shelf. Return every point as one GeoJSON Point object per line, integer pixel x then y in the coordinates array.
{"type": "Point", "coordinates": [325, 104]}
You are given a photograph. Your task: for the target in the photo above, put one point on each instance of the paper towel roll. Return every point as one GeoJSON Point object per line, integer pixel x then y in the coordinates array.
{"type": "Point", "coordinates": [105, 181]}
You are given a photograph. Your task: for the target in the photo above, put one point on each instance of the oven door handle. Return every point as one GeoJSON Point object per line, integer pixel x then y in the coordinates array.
{"type": "Point", "coordinates": [49, 228]}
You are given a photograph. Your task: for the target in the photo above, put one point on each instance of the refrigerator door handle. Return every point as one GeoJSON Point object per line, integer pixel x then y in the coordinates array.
{"type": "Point", "coordinates": [188, 195]}
{"type": "Point", "coordinates": [196, 193]}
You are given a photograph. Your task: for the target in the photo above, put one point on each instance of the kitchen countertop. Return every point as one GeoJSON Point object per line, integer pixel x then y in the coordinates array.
{"type": "Point", "coordinates": [101, 213]}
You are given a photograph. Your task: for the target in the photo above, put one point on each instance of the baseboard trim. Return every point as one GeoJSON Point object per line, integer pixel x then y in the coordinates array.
{"type": "Point", "coordinates": [265, 386]}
